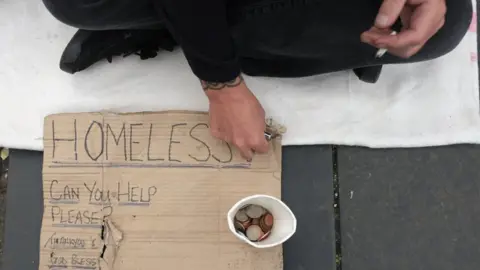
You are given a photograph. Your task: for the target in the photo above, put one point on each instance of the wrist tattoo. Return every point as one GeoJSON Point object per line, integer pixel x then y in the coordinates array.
{"type": "Point", "coordinates": [220, 85]}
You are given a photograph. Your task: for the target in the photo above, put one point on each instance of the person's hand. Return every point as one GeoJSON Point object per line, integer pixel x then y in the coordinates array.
{"type": "Point", "coordinates": [237, 117]}
{"type": "Point", "coordinates": [421, 19]}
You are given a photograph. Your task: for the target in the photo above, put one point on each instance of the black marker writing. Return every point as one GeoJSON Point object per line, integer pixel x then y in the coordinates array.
{"type": "Point", "coordinates": [79, 217]}
{"type": "Point", "coordinates": [200, 141]}
{"type": "Point", "coordinates": [172, 142]}
{"type": "Point", "coordinates": [68, 193]}
{"type": "Point", "coordinates": [100, 138]}
{"type": "Point", "coordinates": [135, 193]}
{"type": "Point", "coordinates": [55, 139]}
{"type": "Point", "coordinates": [88, 263]}
{"type": "Point", "coordinates": [132, 142]}
{"type": "Point", "coordinates": [51, 191]}
{"type": "Point", "coordinates": [97, 194]}
{"type": "Point", "coordinates": [87, 150]}
{"type": "Point", "coordinates": [58, 261]}
{"type": "Point", "coordinates": [149, 144]}
{"type": "Point", "coordinates": [65, 242]}
{"type": "Point", "coordinates": [117, 140]}
{"type": "Point", "coordinates": [229, 159]}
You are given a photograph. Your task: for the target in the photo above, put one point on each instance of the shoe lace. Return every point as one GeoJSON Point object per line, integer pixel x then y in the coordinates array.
{"type": "Point", "coordinates": [148, 48]}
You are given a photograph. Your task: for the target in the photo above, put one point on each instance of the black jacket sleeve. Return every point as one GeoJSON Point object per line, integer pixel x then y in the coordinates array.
{"type": "Point", "coordinates": [201, 29]}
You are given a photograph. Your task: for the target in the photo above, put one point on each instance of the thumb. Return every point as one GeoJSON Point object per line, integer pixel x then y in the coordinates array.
{"type": "Point", "coordinates": [389, 13]}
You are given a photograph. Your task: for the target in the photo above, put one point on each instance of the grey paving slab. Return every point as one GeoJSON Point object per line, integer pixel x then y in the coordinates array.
{"type": "Point", "coordinates": [307, 189]}
{"type": "Point", "coordinates": [410, 208]}
{"type": "Point", "coordinates": [24, 211]}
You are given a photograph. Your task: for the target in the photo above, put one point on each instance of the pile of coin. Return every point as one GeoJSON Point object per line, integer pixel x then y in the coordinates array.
{"type": "Point", "coordinates": [254, 221]}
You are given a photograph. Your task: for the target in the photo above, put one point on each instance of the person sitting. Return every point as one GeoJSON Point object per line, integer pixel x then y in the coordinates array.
{"type": "Point", "coordinates": [223, 39]}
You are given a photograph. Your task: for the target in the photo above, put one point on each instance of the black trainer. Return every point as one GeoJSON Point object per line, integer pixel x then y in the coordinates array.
{"type": "Point", "coordinates": [88, 47]}
{"type": "Point", "coordinates": [368, 74]}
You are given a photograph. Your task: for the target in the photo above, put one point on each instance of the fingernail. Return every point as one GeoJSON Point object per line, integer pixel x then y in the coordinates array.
{"type": "Point", "coordinates": [381, 21]}
{"type": "Point", "coordinates": [249, 160]}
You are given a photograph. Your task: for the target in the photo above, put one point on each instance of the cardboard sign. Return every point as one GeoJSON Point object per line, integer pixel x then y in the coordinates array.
{"type": "Point", "coordinates": [148, 191]}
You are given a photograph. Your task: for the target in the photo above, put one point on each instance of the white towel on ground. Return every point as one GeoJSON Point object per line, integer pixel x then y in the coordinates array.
{"type": "Point", "coordinates": [424, 104]}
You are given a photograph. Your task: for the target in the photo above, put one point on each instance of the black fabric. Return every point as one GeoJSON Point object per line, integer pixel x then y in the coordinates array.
{"type": "Point", "coordinates": [88, 47]}
{"type": "Point", "coordinates": [280, 38]}
{"type": "Point", "coordinates": [202, 29]}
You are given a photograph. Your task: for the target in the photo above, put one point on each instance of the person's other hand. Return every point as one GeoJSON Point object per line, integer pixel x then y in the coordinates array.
{"type": "Point", "coordinates": [421, 19]}
{"type": "Point", "coordinates": [237, 117]}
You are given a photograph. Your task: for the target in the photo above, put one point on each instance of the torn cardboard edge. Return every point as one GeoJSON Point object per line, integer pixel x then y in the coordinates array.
{"type": "Point", "coordinates": [112, 238]}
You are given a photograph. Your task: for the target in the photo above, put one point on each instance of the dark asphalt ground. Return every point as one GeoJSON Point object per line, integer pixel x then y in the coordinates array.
{"type": "Point", "coordinates": [3, 191]}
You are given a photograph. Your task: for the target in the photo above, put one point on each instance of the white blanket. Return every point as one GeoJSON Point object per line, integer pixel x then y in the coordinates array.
{"type": "Point", "coordinates": [425, 104]}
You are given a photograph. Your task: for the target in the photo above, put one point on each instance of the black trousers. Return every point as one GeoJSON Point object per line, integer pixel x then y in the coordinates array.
{"type": "Point", "coordinates": [279, 38]}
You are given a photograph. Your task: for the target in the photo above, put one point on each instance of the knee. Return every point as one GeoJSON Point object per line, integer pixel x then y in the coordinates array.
{"type": "Point", "coordinates": [457, 21]}
{"type": "Point", "coordinates": [70, 14]}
